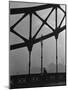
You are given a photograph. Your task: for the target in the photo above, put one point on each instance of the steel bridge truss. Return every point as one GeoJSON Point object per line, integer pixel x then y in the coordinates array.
{"type": "Point", "coordinates": [32, 39]}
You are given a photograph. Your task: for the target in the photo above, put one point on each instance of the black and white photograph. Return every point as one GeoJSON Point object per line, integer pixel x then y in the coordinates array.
{"type": "Point", "coordinates": [37, 44]}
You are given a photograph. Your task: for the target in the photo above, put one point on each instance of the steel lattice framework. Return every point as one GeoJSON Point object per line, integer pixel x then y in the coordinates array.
{"type": "Point", "coordinates": [33, 40]}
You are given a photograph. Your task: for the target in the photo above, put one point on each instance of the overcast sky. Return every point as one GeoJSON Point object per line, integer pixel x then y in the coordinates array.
{"type": "Point", "coordinates": [19, 58]}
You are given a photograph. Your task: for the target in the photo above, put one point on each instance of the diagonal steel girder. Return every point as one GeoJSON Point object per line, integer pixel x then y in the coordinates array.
{"type": "Point", "coordinates": [25, 44]}
{"type": "Point", "coordinates": [14, 11]}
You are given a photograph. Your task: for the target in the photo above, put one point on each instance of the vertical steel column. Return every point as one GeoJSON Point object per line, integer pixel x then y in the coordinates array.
{"type": "Point", "coordinates": [30, 46]}
{"type": "Point", "coordinates": [30, 32]}
{"type": "Point", "coordinates": [41, 56]}
{"type": "Point", "coordinates": [29, 61]}
{"type": "Point", "coordinates": [56, 57]}
{"type": "Point", "coordinates": [65, 39]}
{"type": "Point", "coordinates": [56, 37]}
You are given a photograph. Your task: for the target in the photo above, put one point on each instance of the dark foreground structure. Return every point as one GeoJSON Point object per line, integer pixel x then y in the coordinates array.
{"type": "Point", "coordinates": [38, 80]}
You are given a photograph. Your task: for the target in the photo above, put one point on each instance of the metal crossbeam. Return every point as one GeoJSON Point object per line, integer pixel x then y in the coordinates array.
{"type": "Point", "coordinates": [31, 9]}
{"type": "Point", "coordinates": [21, 45]}
{"type": "Point", "coordinates": [23, 38]}
{"type": "Point", "coordinates": [49, 35]}
{"type": "Point", "coordinates": [19, 21]}
{"type": "Point", "coordinates": [44, 22]}
{"type": "Point", "coordinates": [62, 20]}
